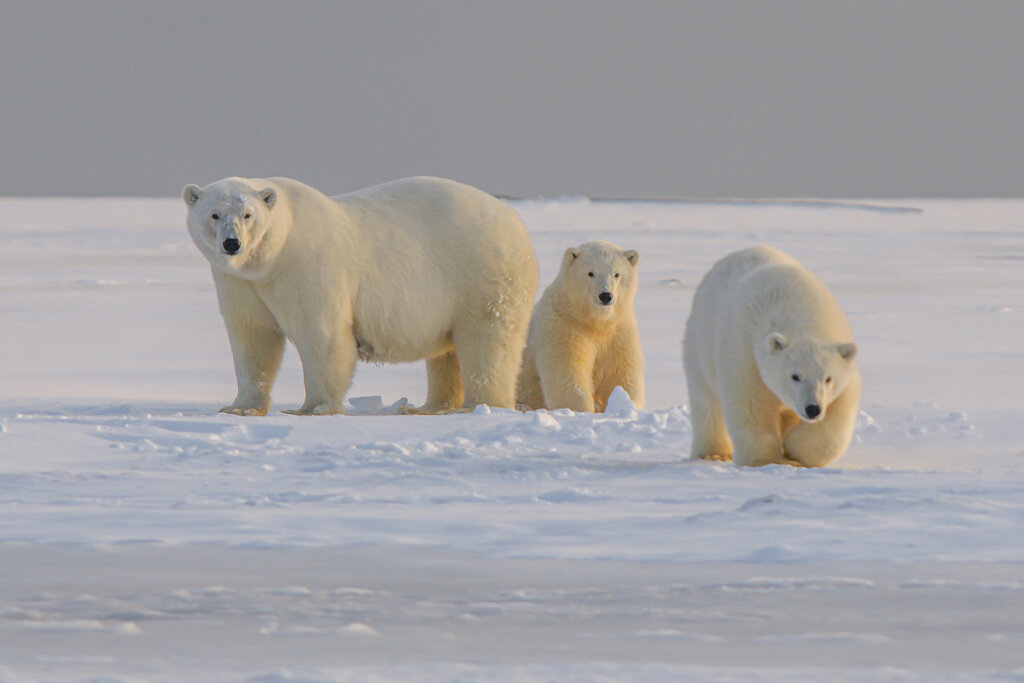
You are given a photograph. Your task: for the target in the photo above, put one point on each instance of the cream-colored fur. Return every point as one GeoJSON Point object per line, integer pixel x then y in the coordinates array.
{"type": "Point", "coordinates": [765, 343]}
{"type": "Point", "coordinates": [421, 268]}
{"type": "Point", "coordinates": [579, 347]}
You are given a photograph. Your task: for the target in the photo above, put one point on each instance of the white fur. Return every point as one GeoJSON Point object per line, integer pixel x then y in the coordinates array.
{"type": "Point", "coordinates": [579, 348]}
{"type": "Point", "coordinates": [411, 269]}
{"type": "Point", "coordinates": [759, 320]}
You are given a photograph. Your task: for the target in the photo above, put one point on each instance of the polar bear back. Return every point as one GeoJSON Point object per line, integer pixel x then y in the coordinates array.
{"type": "Point", "coordinates": [407, 224]}
{"type": "Point", "coordinates": [434, 250]}
{"type": "Point", "coordinates": [410, 222]}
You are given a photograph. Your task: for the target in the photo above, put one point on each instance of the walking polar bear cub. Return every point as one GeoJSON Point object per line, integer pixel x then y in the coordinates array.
{"type": "Point", "coordinates": [421, 268]}
{"type": "Point", "coordinates": [770, 366]}
{"type": "Point", "coordinates": [583, 339]}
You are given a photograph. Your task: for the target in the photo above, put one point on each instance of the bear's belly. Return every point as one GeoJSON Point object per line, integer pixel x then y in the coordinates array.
{"type": "Point", "coordinates": [401, 347]}
{"type": "Point", "coordinates": [403, 326]}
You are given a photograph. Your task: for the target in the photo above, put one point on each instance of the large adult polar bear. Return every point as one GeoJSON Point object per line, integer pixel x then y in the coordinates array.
{"type": "Point", "coordinates": [411, 269]}
{"type": "Point", "coordinates": [770, 366]}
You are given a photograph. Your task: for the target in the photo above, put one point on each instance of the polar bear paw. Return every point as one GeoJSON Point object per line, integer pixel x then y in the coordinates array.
{"type": "Point", "coordinates": [423, 410]}
{"type": "Point", "coordinates": [247, 411]}
{"type": "Point", "coordinates": [409, 409]}
{"type": "Point", "coordinates": [454, 411]}
{"type": "Point", "coordinates": [714, 457]}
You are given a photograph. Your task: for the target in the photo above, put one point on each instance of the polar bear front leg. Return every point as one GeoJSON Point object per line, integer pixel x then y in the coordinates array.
{"type": "Point", "coordinates": [816, 444]}
{"type": "Point", "coordinates": [327, 369]}
{"type": "Point", "coordinates": [753, 428]}
{"type": "Point", "coordinates": [566, 372]}
{"type": "Point", "coordinates": [257, 344]}
{"type": "Point", "coordinates": [628, 359]}
{"type": "Point", "coordinates": [257, 354]}
{"type": "Point", "coordinates": [758, 448]}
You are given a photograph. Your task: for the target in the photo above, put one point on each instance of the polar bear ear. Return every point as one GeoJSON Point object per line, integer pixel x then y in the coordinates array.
{"type": "Point", "coordinates": [269, 197]}
{"type": "Point", "coordinates": [191, 194]}
{"type": "Point", "coordinates": [776, 342]}
{"type": "Point", "coordinates": [570, 255]}
{"type": "Point", "coordinates": [848, 350]}
{"type": "Point", "coordinates": [633, 256]}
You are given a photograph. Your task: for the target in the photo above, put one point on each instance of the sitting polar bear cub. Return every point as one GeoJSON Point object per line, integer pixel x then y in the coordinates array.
{"type": "Point", "coordinates": [416, 268]}
{"type": "Point", "coordinates": [583, 338]}
{"type": "Point", "coordinates": [769, 364]}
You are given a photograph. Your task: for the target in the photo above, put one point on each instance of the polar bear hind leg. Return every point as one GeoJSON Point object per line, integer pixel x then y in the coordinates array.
{"type": "Point", "coordinates": [444, 384]}
{"type": "Point", "coordinates": [488, 356]}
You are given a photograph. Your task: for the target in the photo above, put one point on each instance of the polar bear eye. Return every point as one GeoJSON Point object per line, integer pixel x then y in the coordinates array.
{"type": "Point", "coordinates": [828, 380]}
{"type": "Point", "coordinates": [795, 378]}
{"type": "Point", "coordinates": [247, 216]}
{"type": "Point", "coordinates": [215, 216]}
{"type": "Point", "coordinates": [616, 276]}
{"type": "Point", "coordinates": [590, 275]}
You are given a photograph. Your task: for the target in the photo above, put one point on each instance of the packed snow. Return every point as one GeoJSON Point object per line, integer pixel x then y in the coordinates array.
{"type": "Point", "coordinates": [144, 536]}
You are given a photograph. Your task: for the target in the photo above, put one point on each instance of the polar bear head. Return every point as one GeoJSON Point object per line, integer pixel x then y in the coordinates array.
{"type": "Point", "coordinates": [231, 222]}
{"type": "Point", "coordinates": [805, 374]}
{"type": "Point", "coordinates": [599, 276]}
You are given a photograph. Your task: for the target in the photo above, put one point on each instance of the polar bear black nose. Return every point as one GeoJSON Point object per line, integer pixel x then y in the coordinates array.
{"type": "Point", "coordinates": [605, 297]}
{"type": "Point", "coordinates": [232, 245]}
{"type": "Point", "coordinates": [812, 410]}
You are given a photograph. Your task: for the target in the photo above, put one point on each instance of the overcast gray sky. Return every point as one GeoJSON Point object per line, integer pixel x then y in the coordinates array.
{"type": "Point", "coordinates": [725, 98]}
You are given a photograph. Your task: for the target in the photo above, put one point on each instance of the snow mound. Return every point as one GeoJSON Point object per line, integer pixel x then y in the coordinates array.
{"type": "Point", "coordinates": [620, 405]}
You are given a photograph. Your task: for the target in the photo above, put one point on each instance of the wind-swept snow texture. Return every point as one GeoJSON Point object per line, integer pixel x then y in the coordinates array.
{"type": "Point", "coordinates": [143, 536]}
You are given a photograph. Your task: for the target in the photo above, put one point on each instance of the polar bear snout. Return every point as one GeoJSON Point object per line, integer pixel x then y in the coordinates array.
{"type": "Point", "coordinates": [231, 245]}
{"type": "Point", "coordinates": [812, 411]}
{"type": "Point", "coordinates": [605, 298]}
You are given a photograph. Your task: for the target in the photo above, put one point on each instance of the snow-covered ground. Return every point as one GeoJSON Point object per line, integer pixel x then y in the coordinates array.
{"type": "Point", "coordinates": [145, 537]}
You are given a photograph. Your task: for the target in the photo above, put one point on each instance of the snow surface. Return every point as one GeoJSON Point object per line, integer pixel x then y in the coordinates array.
{"type": "Point", "coordinates": [143, 536]}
